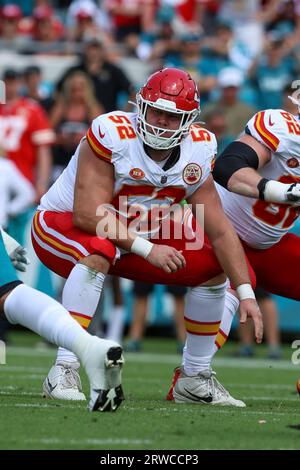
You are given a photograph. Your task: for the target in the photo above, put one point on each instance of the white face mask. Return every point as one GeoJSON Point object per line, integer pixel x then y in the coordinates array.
{"type": "Point", "coordinates": [153, 135]}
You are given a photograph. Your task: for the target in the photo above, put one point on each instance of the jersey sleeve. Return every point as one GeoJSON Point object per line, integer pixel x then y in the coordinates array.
{"type": "Point", "coordinates": [266, 128]}
{"type": "Point", "coordinates": [210, 159]}
{"type": "Point", "coordinates": [207, 155]}
{"type": "Point", "coordinates": [99, 139]}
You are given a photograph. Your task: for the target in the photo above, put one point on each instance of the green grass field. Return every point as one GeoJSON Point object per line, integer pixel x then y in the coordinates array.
{"type": "Point", "coordinates": [146, 421]}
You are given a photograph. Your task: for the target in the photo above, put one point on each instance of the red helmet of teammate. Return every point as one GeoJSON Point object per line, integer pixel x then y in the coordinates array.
{"type": "Point", "coordinates": [174, 91]}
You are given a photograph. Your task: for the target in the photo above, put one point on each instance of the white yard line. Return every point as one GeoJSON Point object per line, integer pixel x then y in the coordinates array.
{"type": "Point", "coordinates": [81, 442]}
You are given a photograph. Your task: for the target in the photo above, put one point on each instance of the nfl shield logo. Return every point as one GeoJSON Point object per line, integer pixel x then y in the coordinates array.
{"type": "Point", "coordinates": [163, 179]}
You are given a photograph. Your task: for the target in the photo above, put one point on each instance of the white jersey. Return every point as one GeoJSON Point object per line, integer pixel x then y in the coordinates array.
{"type": "Point", "coordinates": [113, 138]}
{"type": "Point", "coordinates": [262, 224]}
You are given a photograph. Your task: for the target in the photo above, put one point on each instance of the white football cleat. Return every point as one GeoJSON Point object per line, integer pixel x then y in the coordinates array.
{"type": "Point", "coordinates": [63, 382]}
{"type": "Point", "coordinates": [103, 365]}
{"type": "Point", "coordinates": [203, 388]}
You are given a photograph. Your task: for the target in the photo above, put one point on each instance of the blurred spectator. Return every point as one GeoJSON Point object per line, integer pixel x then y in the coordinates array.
{"type": "Point", "coordinates": [85, 19]}
{"type": "Point", "coordinates": [108, 79]}
{"type": "Point", "coordinates": [248, 19]}
{"type": "Point", "coordinates": [215, 122]}
{"type": "Point", "coordinates": [10, 17]}
{"type": "Point", "coordinates": [203, 69]}
{"type": "Point", "coordinates": [272, 72]}
{"type": "Point", "coordinates": [43, 29]}
{"type": "Point", "coordinates": [161, 42]}
{"type": "Point", "coordinates": [226, 49]}
{"type": "Point", "coordinates": [286, 19]}
{"type": "Point", "coordinates": [126, 17]}
{"type": "Point", "coordinates": [25, 134]}
{"type": "Point", "coordinates": [77, 101]}
{"type": "Point", "coordinates": [46, 26]}
{"type": "Point", "coordinates": [71, 115]}
{"type": "Point", "coordinates": [69, 135]}
{"type": "Point", "coordinates": [187, 15]}
{"type": "Point", "coordinates": [35, 88]}
{"type": "Point", "coordinates": [141, 292]}
{"type": "Point", "coordinates": [235, 112]}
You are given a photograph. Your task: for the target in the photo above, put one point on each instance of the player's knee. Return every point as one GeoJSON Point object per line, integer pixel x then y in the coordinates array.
{"type": "Point", "coordinates": [96, 262]}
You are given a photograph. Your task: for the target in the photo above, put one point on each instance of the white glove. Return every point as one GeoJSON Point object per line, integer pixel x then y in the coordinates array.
{"type": "Point", "coordinates": [15, 251]}
{"type": "Point", "coordinates": [275, 191]}
{"type": "Point", "coordinates": [293, 193]}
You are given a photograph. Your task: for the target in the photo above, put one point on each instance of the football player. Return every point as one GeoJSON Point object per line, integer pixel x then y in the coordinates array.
{"type": "Point", "coordinates": [21, 304]}
{"type": "Point", "coordinates": [151, 159]}
{"type": "Point", "coordinates": [258, 181]}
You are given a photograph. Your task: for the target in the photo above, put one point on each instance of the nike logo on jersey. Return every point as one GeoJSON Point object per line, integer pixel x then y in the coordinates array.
{"type": "Point", "coordinates": [270, 122]}
{"type": "Point", "coordinates": [101, 134]}
{"type": "Point", "coordinates": [51, 387]}
{"type": "Point", "coordinates": [207, 399]}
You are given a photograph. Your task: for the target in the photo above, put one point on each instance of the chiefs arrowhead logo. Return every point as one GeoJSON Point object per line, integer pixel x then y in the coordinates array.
{"type": "Point", "coordinates": [136, 173]}
{"type": "Point", "coordinates": [192, 173]}
{"type": "Point", "coordinates": [292, 162]}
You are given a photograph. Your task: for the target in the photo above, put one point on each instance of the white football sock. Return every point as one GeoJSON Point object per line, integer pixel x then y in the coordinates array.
{"type": "Point", "coordinates": [46, 317]}
{"type": "Point", "coordinates": [43, 315]}
{"type": "Point", "coordinates": [115, 323]}
{"type": "Point", "coordinates": [80, 297]}
{"type": "Point", "coordinates": [231, 306]}
{"type": "Point", "coordinates": [203, 312]}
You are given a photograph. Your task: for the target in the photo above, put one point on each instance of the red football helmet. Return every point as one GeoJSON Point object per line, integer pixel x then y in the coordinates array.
{"type": "Point", "coordinates": [171, 90]}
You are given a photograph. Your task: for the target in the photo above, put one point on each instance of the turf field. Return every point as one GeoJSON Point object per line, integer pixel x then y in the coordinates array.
{"type": "Point", "coordinates": [146, 421]}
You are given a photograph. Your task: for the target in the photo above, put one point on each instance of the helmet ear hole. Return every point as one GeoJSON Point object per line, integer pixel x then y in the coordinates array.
{"type": "Point", "coordinates": [171, 90]}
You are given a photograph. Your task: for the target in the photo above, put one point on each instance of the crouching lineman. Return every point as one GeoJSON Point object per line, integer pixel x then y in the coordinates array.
{"type": "Point", "coordinates": [258, 181]}
{"type": "Point", "coordinates": [150, 159]}
{"type": "Point", "coordinates": [102, 359]}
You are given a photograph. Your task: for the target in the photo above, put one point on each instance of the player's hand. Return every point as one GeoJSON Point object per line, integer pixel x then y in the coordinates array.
{"type": "Point", "coordinates": [293, 193]}
{"type": "Point", "coordinates": [250, 309]}
{"type": "Point", "coordinates": [19, 259]}
{"type": "Point", "coordinates": [167, 258]}
{"type": "Point", "coordinates": [15, 251]}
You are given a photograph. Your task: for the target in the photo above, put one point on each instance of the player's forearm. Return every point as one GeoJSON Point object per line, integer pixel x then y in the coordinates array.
{"type": "Point", "coordinates": [105, 224]}
{"type": "Point", "coordinates": [244, 182]}
{"type": "Point", "coordinates": [248, 182]}
{"type": "Point", "coordinates": [231, 256]}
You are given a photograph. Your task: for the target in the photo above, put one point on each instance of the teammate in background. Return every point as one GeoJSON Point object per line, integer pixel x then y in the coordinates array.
{"type": "Point", "coordinates": [153, 159]}
{"type": "Point", "coordinates": [270, 319]}
{"type": "Point", "coordinates": [257, 178]}
{"type": "Point", "coordinates": [26, 137]}
{"type": "Point", "coordinates": [141, 292]}
{"type": "Point", "coordinates": [38, 312]}
{"type": "Point", "coordinates": [25, 134]}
